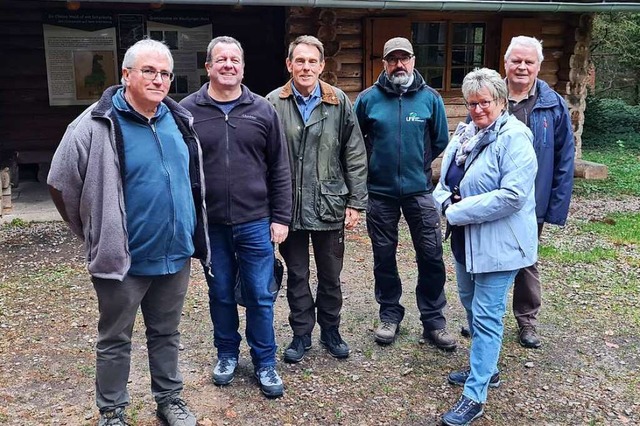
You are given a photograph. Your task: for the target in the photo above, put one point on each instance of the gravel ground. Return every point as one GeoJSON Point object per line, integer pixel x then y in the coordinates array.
{"type": "Point", "coordinates": [584, 374]}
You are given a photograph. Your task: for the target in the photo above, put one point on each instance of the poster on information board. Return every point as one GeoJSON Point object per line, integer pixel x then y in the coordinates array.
{"type": "Point", "coordinates": [187, 36]}
{"type": "Point", "coordinates": [81, 56]}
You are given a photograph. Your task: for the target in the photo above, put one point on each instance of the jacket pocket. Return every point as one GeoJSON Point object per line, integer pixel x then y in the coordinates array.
{"type": "Point", "coordinates": [331, 202]}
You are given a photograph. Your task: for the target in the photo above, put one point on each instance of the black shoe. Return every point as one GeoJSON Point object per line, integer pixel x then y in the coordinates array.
{"type": "Point", "coordinates": [331, 340]}
{"type": "Point", "coordinates": [461, 376]}
{"type": "Point", "coordinates": [528, 337]}
{"type": "Point", "coordinates": [463, 413]}
{"type": "Point", "coordinates": [296, 349]}
{"type": "Point", "coordinates": [440, 338]}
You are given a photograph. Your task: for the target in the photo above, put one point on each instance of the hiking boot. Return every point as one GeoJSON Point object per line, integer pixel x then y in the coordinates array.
{"type": "Point", "coordinates": [463, 412]}
{"type": "Point", "coordinates": [330, 339]}
{"type": "Point", "coordinates": [386, 332]}
{"type": "Point", "coordinates": [528, 337]}
{"type": "Point", "coordinates": [461, 376]}
{"type": "Point", "coordinates": [269, 381]}
{"type": "Point", "coordinates": [296, 349]}
{"type": "Point", "coordinates": [175, 412]}
{"type": "Point", "coordinates": [441, 339]}
{"type": "Point", "coordinates": [224, 371]}
{"type": "Point", "coordinates": [113, 417]}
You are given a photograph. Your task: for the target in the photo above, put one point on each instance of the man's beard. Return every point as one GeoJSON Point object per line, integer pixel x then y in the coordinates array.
{"type": "Point", "coordinates": [399, 78]}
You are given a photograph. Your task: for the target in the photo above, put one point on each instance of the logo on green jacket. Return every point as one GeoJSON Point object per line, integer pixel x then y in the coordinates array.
{"type": "Point", "coordinates": [413, 117]}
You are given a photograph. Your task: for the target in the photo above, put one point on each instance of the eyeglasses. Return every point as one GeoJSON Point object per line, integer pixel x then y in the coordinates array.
{"type": "Point", "coordinates": [149, 74]}
{"type": "Point", "coordinates": [471, 106]}
{"type": "Point", "coordinates": [393, 61]}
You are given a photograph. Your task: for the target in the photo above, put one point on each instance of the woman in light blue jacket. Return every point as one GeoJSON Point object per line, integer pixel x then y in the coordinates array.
{"type": "Point", "coordinates": [486, 193]}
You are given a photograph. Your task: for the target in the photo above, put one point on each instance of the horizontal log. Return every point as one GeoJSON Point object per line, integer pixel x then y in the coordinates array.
{"type": "Point", "coordinates": [349, 71]}
{"type": "Point", "coordinates": [553, 41]}
{"type": "Point", "coordinates": [454, 110]}
{"type": "Point", "coordinates": [300, 26]}
{"type": "Point", "coordinates": [300, 12]}
{"type": "Point", "coordinates": [551, 79]}
{"type": "Point", "coordinates": [350, 41]}
{"type": "Point", "coordinates": [350, 84]}
{"type": "Point", "coordinates": [349, 27]}
{"type": "Point", "coordinates": [453, 98]}
{"type": "Point", "coordinates": [349, 56]}
{"type": "Point", "coordinates": [549, 67]}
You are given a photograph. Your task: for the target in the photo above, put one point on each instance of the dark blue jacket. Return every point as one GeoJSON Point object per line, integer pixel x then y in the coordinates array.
{"type": "Point", "coordinates": [245, 157]}
{"type": "Point", "coordinates": [403, 134]}
{"type": "Point", "coordinates": [553, 142]}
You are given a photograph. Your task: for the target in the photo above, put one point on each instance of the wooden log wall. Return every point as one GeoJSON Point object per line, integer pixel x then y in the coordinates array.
{"type": "Point", "coordinates": [565, 37]}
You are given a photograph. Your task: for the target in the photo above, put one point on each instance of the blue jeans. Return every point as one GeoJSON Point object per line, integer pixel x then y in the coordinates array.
{"type": "Point", "coordinates": [484, 297]}
{"type": "Point", "coordinates": [246, 248]}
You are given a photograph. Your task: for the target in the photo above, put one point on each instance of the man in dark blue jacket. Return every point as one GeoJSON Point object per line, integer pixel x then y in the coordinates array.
{"type": "Point", "coordinates": [246, 168]}
{"type": "Point", "coordinates": [405, 128]}
{"type": "Point", "coordinates": [545, 112]}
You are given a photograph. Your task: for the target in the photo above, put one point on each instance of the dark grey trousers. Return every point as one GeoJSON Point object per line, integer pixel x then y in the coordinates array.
{"type": "Point", "coordinates": [527, 293]}
{"type": "Point", "coordinates": [383, 217]}
{"type": "Point", "coordinates": [161, 299]}
{"type": "Point", "coordinates": [328, 251]}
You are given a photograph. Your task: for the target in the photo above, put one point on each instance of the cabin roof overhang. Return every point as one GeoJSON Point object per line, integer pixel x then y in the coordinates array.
{"type": "Point", "coordinates": [434, 5]}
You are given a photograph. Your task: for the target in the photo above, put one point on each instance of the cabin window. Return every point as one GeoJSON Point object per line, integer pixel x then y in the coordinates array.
{"type": "Point", "coordinates": [447, 51]}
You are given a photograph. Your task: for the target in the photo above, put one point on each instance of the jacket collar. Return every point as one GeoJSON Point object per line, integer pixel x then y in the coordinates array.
{"type": "Point", "coordinates": [386, 85]}
{"type": "Point", "coordinates": [105, 104]}
{"type": "Point", "coordinates": [203, 98]}
{"type": "Point", "coordinates": [546, 95]}
{"type": "Point", "coordinates": [328, 93]}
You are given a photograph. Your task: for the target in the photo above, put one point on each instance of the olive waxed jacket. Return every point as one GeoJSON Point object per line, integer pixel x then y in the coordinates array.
{"type": "Point", "coordinates": [328, 158]}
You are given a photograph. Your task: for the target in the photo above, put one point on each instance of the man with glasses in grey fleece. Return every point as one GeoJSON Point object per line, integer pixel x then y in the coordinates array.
{"type": "Point", "coordinates": [127, 178]}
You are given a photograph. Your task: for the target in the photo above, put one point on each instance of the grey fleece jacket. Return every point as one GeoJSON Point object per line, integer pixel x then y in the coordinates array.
{"type": "Point", "coordinates": [86, 168]}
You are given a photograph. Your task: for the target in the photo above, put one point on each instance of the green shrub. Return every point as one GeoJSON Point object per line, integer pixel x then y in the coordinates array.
{"type": "Point", "coordinates": [608, 122]}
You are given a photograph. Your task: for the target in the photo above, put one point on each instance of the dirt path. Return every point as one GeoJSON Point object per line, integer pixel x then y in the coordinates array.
{"type": "Point", "coordinates": [584, 374]}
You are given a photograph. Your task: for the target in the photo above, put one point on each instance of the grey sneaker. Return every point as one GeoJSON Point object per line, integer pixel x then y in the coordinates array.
{"type": "Point", "coordinates": [386, 332]}
{"type": "Point", "coordinates": [270, 382]}
{"type": "Point", "coordinates": [224, 371]}
{"type": "Point", "coordinates": [113, 417]}
{"type": "Point", "coordinates": [441, 339]}
{"type": "Point", "coordinates": [175, 412]}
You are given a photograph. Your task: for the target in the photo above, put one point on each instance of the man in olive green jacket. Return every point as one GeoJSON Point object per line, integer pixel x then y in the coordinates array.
{"type": "Point", "coordinates": [329, 169]}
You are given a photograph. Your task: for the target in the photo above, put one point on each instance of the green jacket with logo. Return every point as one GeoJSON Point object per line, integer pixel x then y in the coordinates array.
{"type": "Point", "coordinates": [403, 134]}
{"type": "Point", "coordinates": [328, 158]}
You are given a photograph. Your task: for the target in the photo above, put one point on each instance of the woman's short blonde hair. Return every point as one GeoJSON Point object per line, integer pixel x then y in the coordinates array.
{"type": "Point", "coordinates": [485, 78]}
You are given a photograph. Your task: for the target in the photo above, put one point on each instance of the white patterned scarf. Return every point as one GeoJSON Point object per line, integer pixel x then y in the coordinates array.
{"type": "Point", "coordinates": [469, 136]}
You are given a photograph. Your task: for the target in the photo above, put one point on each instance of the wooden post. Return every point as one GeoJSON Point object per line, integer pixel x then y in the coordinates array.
{"type": "Point", "coordinates": [5, 200]}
